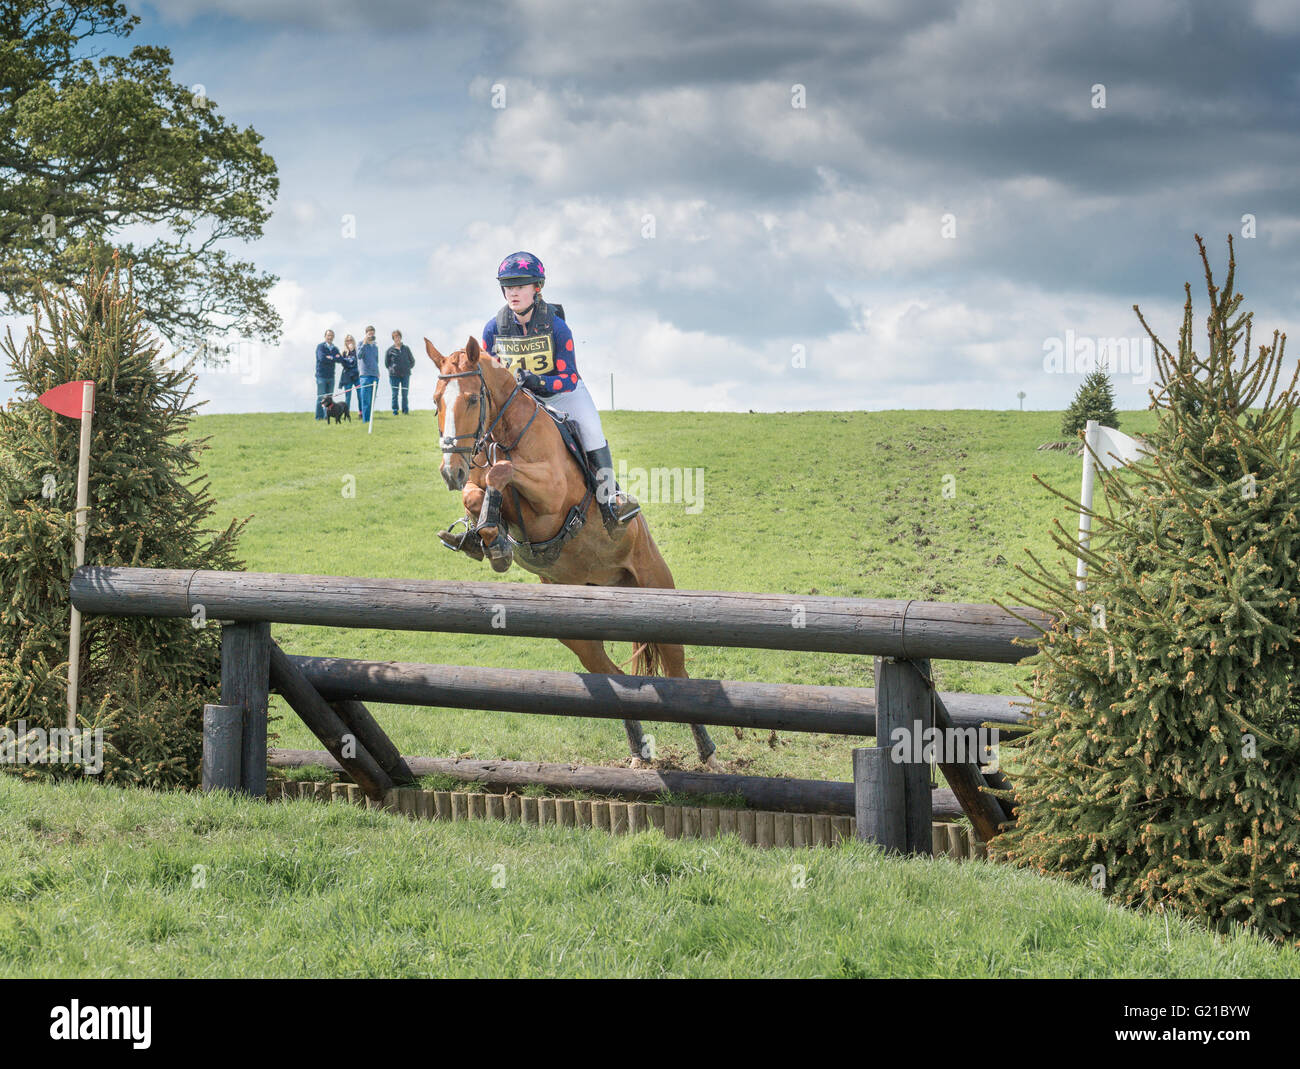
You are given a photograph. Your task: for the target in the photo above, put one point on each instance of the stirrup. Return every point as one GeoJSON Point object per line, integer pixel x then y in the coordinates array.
{"type": "Point", "coordinates": [466, 542]}
{"type": "Point", "coordinates": [619, 509]}
{"type": "Point", "coordinates": [624, 506]}
{"type": "Point", "coordinates": [450, 539]}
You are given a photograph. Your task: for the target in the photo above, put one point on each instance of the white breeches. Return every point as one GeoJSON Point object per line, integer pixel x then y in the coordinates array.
{"type": "Point", "coordinates": [579, 407]}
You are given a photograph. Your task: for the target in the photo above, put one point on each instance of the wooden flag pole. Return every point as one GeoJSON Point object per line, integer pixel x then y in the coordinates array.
{"type": "Point", "coordinates": [83, 510]}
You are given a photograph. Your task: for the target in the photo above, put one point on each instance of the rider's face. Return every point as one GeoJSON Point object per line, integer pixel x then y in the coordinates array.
{"type": "Point", "coordinates": [520, 297]}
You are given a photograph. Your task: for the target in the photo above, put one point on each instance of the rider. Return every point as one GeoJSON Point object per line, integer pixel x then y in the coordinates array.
{"type": "Point", "coordinates": [531, 339]}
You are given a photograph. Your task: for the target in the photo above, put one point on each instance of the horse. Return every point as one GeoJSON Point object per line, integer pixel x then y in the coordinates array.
{"type": "Point", "coordinates": [550, 521]}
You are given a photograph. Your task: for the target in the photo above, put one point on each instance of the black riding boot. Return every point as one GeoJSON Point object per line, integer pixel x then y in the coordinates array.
{"type": "Point", "coordinates": [620, 506]}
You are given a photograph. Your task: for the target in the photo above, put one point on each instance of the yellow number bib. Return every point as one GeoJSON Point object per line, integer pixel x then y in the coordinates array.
{"type": "Point", "coordinates": [535, 353]}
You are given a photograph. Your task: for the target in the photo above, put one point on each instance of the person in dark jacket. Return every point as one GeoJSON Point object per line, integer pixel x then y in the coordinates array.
{"type": "Point", "coordinates": [399, 361]}
{"type": "Point", "coordinates": [327, 355]}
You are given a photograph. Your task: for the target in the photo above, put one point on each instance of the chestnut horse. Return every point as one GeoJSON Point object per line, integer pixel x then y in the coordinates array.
{"type": "Point", "coordinates": [502, 451]}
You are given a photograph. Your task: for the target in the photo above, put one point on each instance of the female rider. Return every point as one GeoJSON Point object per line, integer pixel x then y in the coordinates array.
{"type": "Point", "coordinates": [537, 345]}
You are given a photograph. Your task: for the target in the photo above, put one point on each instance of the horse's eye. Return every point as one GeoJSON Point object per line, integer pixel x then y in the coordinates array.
{"type": "Point", "coordinates": [472, 401]}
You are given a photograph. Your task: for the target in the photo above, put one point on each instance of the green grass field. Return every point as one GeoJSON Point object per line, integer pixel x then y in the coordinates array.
{"type": "Point", "coordinates": [107, 883]}
{"type": "Point", "coordinates": [100, 882]}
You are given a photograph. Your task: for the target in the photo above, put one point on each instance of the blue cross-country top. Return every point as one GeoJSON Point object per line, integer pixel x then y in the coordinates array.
{"type": "Point", "coordinates": [544, 348]}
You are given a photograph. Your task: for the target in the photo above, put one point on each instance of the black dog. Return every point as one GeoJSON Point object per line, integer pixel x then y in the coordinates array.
{"type": "Point", "coordinates": [336, 411]}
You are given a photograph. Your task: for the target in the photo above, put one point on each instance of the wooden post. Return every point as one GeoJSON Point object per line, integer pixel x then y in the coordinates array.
{"type": "Point", "coordinates": [904, 703]}
{"type": "Point", "coordinates": [223, 740]}
{"type": "Point", "coordinates": [245, 681]}
{"type": "Point", "coordinates": [880, 798]}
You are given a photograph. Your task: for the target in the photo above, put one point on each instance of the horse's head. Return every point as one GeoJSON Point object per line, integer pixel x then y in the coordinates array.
{"type": "Point", "coordinates": [462, 400]}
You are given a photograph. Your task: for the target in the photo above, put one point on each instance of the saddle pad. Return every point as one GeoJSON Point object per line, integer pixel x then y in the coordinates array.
{"type": "Point", "coordinates": [573, 443]}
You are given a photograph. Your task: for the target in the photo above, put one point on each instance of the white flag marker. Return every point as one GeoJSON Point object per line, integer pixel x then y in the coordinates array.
{"type": "Point", "coordinates": [1112, 450]}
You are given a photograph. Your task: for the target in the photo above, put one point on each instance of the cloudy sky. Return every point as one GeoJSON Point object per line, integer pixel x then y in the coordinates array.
{"type": "Point", "coordinates": [863, 204]}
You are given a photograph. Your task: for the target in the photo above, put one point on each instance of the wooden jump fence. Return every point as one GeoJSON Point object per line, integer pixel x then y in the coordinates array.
{"type": "Point", "coordinates": [891, 799]}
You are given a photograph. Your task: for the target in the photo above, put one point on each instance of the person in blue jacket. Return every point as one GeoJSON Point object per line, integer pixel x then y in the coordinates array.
{"type": "Point", "coordinates": [327, 355]}
{"type": "Point", "coordinates": [368, 362]}
{"type": "Point", "coordinates": [537, 345]}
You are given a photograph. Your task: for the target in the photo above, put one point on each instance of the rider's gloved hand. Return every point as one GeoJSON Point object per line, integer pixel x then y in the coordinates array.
{"type": "Point", "coordinates": [529, 381]}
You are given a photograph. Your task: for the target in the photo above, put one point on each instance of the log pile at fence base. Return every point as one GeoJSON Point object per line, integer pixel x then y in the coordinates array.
{"type": "Point", "coordinates": [760, 828]}
{"type": "Point", "coordinates": [644, 784]}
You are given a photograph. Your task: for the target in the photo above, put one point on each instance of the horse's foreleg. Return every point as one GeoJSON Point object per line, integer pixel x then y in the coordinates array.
{"type": "Point", "coordinates": [489, 517]}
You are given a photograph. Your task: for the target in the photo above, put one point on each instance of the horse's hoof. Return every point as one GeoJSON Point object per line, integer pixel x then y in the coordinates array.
{"type": "Point", "coordinates": [637, 763]}
{"type": "Point", "coordinates": [501, 563]}
{"type": "Point", "coordinates": [713, 764]}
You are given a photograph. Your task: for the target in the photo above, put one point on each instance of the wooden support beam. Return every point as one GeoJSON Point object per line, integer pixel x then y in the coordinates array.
{"type": "Point", "coordinates": [968, 783]}
{"type": "Point", "coordinates": [364, 726]}
{"type": "Point", "coordinates": [327, 726]}
{"type": "Point", "coordinates": [880, 803]}
{"type": "Point", "coordinates": [763, 706]}
{"type": "Point", "coordinates": [223, 745]}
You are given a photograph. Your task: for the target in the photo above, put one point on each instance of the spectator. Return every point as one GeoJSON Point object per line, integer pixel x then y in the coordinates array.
{"type": "Point", "coordinates": [327, 355]}
{"type": "Point", "coordinates": [369, 362]}
{"type": "Point", "coordinates": [399, 362]}
{"type": "Point", "coordinates": [350, 377]}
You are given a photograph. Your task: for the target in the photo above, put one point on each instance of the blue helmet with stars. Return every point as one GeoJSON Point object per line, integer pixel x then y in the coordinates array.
{"type": "Point", "coordinates": [520, 269]}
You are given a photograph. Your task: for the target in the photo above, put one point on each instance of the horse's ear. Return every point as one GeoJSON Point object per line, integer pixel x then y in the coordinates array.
{"type": "Point", "coordinates": [472, 350]}
{"type": "Point", "coordinates": [434, 355]}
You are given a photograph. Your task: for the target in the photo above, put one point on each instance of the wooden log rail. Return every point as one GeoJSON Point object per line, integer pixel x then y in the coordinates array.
{"type": "Point", "coordinates": [897, 629]}
{"type": "Point", "coordinates": [765, 706]}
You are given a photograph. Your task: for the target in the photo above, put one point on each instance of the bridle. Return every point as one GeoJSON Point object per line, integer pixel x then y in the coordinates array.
{"type": "Point", "coordinates": [483, 439]}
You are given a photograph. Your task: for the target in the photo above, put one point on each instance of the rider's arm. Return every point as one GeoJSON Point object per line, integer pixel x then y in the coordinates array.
{"type": "Point", "coordinates": [564, 378]}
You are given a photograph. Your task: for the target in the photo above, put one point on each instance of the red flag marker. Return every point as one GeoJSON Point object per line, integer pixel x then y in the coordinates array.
{"type": "Point", "coordinates": [65, 399]}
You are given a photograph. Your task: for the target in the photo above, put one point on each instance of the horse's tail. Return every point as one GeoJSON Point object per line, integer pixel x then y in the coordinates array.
{"type": "Point", "coordinates": [648, 659]}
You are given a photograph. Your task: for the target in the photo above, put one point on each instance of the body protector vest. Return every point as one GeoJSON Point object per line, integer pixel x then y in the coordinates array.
{"type": "Point", "coordinates": [533, 349]}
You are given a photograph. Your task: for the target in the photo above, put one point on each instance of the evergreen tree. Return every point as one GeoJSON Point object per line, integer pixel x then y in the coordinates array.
{"type": "Point", "coordinates": [1095, 400]}
{"type": "Point", "coordinates": [1164, 763]}
{"type": "Point", "coordinates": [143, 681]}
